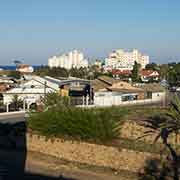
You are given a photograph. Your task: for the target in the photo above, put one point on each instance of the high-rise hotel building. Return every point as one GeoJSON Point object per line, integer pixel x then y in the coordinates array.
{"type": "Point", "coordinates": [124, 60]}
{"type": "Point", "coordinates": [73, 59]}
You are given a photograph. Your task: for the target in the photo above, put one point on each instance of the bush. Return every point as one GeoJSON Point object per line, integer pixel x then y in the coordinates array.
{"type": "Point", "coordinates": [99, 125]}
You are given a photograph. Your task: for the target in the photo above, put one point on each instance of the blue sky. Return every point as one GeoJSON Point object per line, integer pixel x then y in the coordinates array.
{"type": "Point", "coordinates": [33, 30]}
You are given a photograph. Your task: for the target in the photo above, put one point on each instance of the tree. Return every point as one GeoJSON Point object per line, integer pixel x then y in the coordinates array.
{"type": "Point", "coordinates": [163, 127]}
{"type": "Point", "coordinates": [155, 169]}
{"type": "Point", "coordinates": [55, 100]}
{"type": "Point", "coordinates": [152, 66]}
{"type": "Point", "coordinates": [172, 77]}
{"type": "Point", "coordinates": [135, 72]}
{"type": "Point", "coordinates": [163, 71]}
{"type": "Point", "coordinates": [16, 103]}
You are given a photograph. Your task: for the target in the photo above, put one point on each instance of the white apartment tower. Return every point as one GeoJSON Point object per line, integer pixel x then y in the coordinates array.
{"type": "Point", "coordinates": [73, 59]}
{"type": "Point", "coordinates": [122, 60]}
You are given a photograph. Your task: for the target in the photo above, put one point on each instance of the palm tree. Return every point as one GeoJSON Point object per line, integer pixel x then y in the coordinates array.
{"type": "Point", "coordinates": [163, 127]}
{"type": "Point", "coordinates": [16, 62]}
{"type": "Point", "coordinates": [16, 102]}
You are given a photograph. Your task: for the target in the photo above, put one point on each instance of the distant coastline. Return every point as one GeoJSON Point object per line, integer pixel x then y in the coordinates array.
{"type": "Point", "coordinates": [11, 68]}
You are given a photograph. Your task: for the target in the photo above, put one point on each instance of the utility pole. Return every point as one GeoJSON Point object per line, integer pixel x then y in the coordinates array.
{"type": "Point", "coordinates": [90, 91]}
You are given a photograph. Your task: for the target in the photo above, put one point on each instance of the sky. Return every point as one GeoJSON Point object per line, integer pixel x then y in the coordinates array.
{"type": "Point", "coordinates": [33, 30]}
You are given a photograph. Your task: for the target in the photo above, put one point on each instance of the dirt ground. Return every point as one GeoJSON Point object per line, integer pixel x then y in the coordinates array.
{"type": "Point", "coordinates": [48, 166]}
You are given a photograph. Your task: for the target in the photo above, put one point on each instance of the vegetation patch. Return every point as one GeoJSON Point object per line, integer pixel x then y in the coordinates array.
{"type": "Point", "coordinates": [98, 125]}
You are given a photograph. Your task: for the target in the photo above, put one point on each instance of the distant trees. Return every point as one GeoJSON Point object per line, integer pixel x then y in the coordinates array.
{"type": "Point", "coordinates": [174, 74]}
{"type": "Point", "coordinates": [54, 72]}
{"type": "Point", "coordinates": [163, 71]}
{"type": "Point", "coordinates": [172, 77]}
{"type": "Point", "coordinates": [135, 72]}
{"type": "Point", "coordinates": [79, 73]}
{"type": "Point", "coordinates": [170, 72]}
{"type": "Point", "coordinates": [152, 66]}
{"type": "Point", "coordinates": [74, 72]}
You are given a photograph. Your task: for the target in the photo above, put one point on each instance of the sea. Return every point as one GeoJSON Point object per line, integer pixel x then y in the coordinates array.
{"type": "Point", "coordinates": [11, 68]}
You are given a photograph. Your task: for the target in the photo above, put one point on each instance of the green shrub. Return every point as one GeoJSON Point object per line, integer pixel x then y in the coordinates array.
{"type": "Point", "coordinates": [100, 125]}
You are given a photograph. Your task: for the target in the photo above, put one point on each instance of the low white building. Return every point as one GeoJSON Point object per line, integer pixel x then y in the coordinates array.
{"type": "Point", "coordinates": [109, 92]}
{"type": "Point", "coordinates": [123, 60]}
{"type": "Point", "coordinates": [117, 98]}
{"type": "Point", "coordinates": [35, 88]}
{"type": "Point", "coordinates": [24, 68]}
{"type": "Point", "coordinates": [73, 59]}
{"type": "Point", "coordinates": [32, 91]}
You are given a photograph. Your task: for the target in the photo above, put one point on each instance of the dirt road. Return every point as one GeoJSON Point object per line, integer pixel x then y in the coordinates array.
{"type": "Point", "coordinates": [53, 168]}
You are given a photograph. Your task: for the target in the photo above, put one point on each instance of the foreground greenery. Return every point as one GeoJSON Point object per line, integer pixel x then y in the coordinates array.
{"type": "Point", "coordinates": [59, 119]}
{"type": "Point", "coordinates": [97, 125]}
{"type": "Point", "coordinates": [103, 125]}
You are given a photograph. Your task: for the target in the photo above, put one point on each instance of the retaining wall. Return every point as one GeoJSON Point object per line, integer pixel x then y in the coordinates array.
{"type": "Point", "coordinates": [92, 154]}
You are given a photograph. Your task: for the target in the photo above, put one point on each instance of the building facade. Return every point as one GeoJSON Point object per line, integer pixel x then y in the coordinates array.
{"type": "Point", "coordinates": [124, 60]}
{"type": "Point", "coordinates": [24, 68]}
{"type": "Point", "coordinates": [73, 59]}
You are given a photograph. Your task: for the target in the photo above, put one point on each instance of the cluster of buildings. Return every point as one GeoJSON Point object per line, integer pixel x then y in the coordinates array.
{"type": "Point", "coordinates": [123, 60]}
{"type": "Point", "coordinates": [119, 59]}
{"type": "Point", "coordinates": [103, 91]}
{"type": "Point", "coordinates": [110, 91]}
{"type": "Point", "coordinates": [32, 89]}
{"type": "Point", "coordinates": [144, 74]}
{"type": "Point", "coordinates": [74, 59]}
{"type": "Point", "coordinates": [120, 63]}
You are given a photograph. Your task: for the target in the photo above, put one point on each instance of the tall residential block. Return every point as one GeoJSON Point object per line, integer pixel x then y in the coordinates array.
{"type": "Point", "coordinates": [124, 60]}
{"type": "Point", "coordinates": [73, 59]}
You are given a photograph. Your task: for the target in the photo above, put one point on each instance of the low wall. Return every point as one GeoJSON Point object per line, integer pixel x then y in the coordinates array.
{"type": "Point", "coordinates": [12, 113]}
{"type": "Point", "coordinates": [92, 154]}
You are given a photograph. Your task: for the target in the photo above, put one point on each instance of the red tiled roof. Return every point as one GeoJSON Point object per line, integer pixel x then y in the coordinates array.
{"type": "Point", "coordinates": [149, 73]}
{"type": "Point", "coordinates": [121, 72]}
